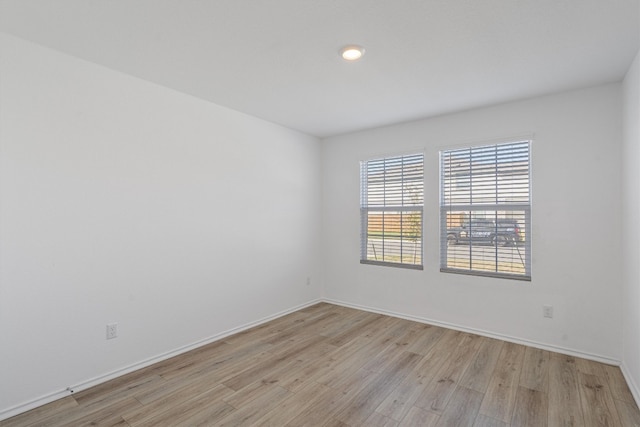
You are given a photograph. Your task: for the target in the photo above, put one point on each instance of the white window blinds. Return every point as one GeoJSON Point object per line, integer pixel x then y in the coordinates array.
{"type": "Point", "coordinates": [391, 207]}
{"type": "Point", "coordinates": [485, 210]}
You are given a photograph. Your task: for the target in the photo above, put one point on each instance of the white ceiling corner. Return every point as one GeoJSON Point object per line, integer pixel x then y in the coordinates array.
{"type": "Point", "coordinates": [279, 60]}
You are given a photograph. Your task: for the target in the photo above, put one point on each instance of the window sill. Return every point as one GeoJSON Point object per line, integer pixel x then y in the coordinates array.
{"type": "Point", "coordinates": [487, 274]}
{"type": "Point", "coordinates": [393, 264]}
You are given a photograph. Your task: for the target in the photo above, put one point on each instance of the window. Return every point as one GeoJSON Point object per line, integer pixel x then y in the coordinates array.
{"type": "Point", "coordinates": [485, 210]}
{"type": "Point", "coordinates": [391, 204]}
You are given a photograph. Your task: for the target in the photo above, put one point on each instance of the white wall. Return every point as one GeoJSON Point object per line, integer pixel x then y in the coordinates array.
{"type": "Point", "coordinates": [122, 201]}
{"type": "Point", "coordinates": [631, 235]}
{"type": "Point", "coordinates": [576, 236]}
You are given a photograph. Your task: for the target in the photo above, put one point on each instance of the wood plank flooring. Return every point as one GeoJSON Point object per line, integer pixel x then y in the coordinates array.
{"type": "Point", "coordinates": [328, 365]}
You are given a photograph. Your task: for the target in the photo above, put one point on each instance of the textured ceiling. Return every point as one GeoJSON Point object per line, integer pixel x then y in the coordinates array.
{"type": "Point", "coordinates": [278, 59]}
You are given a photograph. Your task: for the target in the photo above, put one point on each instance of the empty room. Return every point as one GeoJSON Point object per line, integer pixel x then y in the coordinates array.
{"type": "Point", "coordinates": [319, 213]}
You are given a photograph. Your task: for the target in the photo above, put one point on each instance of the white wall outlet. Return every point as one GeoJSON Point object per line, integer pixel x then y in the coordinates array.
{"type": "Point", "coordinates": [308, 280]}
{"type": "Point", "coordinates": [547, 311]}
{"type": "Point", "coordinates": [112, 330]}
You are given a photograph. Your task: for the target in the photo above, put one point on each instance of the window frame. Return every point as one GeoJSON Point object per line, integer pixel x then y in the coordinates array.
{"type": "Point", "coordinates": [520, 210]}
{"type": "Point", "coordinates": [404, 208]}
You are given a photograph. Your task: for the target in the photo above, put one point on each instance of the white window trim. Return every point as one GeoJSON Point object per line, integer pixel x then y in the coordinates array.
{"type": "Point", "coordinates": [486, 207]}
{"type": "Point", "coordinates": [366, 208]}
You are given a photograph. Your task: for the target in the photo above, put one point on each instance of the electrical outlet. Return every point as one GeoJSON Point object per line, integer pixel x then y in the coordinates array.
{"type": "Point", "coordinates": [547, 311]}
{"type": "Point", "coordinates": [308, 280]}
{"type": "Point", "coordinates": [112, 330]}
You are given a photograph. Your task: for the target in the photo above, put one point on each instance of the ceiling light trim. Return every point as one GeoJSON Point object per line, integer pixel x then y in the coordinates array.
{"type": "Point", "coordinates": [352, 52]}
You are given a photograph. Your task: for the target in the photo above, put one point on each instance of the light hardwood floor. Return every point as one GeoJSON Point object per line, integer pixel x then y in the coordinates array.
{"type": "Point", "coordinates": [328, 365]}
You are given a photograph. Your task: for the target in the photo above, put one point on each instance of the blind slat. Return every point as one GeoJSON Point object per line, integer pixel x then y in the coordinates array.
{"type": "Point", "coordinates": [391, 201]}
{"type": "Point", "coordinates": [485, 210]}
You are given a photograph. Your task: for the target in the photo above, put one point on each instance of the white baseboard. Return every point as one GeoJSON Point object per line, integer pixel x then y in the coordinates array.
{"type": "Point", "coordinates": [48, 398]}
{"type": "Point", "coordinates": [556, 349]}
{"type": "Point", "coordinates": [32, 404]}
{"type": "Point", "coordinates": [633, 386]}
{"type": "Point", "coordinates": [43, 400]}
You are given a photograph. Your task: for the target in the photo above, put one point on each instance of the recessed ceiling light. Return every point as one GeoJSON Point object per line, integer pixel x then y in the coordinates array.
{"type": "Point", "coordinates": [352, 52]}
